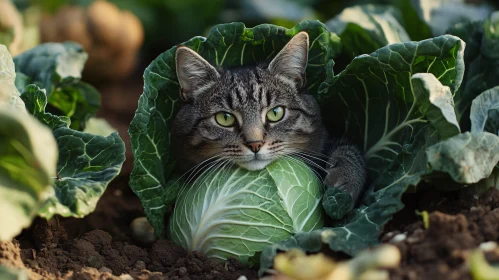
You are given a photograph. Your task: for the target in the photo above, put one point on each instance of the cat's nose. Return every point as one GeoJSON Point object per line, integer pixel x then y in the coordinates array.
{"type": "Point", "coordinates": [255, 146]}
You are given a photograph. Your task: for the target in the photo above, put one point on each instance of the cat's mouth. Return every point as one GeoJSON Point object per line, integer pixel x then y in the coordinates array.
{"type": "Point", "coordinates": [255, 164]}
{"type": "Point", "coordinates": [256, 161]}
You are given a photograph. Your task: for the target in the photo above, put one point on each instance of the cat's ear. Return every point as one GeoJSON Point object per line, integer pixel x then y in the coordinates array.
{"type": "Point", "coordinates": [290, 63]}
{"type": "Point", "coordinates": [194, 73]}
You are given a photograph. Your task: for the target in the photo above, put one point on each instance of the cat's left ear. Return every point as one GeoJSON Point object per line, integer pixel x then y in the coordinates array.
{"type": "Point", "coordinates": [291, 62]}
{"type": "Point", "coordinates": [194, 73]}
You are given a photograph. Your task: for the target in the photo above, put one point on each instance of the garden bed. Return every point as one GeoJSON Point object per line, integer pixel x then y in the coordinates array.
{"type": "Point", "coordinates": [101, 246]}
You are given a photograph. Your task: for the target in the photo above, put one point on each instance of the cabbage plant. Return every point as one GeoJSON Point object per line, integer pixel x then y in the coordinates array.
{"type": "Point", "coordinates": [234, 212]}
{"type": "Point", "coordinates": [47, 168]}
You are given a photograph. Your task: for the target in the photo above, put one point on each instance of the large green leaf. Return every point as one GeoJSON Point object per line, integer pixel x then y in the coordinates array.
{"type": "Point", "coordinates": [365, 28]}
{"type": "Point", "coordinates": [436, 103]}
{"type": "Point", "coordinates": [482, 63]}
{"type": "Point", "coordinates": [300, 193]}
{"type": "Point", "coordinates": [50, 64]}
{"type": "Point", "coordinates": [226, 45]}
{"type": "Point", "coordinates": [381, 106]}
{"type": "Point", "coordinates": [471, 158]}
{"type": "Point", "coordinates": [87, 162]}
{"type": "Point", "coordinates": [485, 112]}
{"type": "Point", "coordinates": [57, 68]}
{"type": "Point", "coordinates": [28, 156]}
{"type": "Point", "coordinates": [467, 157]}
{"type": "Point", "coordinates": [76, 100]}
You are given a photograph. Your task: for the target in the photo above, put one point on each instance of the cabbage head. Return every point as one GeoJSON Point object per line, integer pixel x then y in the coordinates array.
{"type": "Point", "coordinates": [235, 212]}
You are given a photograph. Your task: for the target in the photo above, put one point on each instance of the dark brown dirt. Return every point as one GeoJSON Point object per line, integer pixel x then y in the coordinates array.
{"type": "Point", "coordinates": [457, 225]}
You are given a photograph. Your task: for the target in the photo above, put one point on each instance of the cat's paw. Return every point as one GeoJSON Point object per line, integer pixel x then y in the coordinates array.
{"type": "Point", "coordinates": [347, 175]}
{"type": "Point", "coordinates": [344, 182]}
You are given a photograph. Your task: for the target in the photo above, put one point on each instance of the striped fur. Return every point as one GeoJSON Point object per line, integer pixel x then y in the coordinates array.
{"type": "Point", "coordinates": [249, 93]}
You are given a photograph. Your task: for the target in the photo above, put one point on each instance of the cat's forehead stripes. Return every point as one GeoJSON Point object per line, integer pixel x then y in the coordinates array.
{"type": "Point", "coordinates": [246, 88]}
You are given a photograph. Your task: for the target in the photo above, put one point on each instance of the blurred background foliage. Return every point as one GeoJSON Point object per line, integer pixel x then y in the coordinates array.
{"type": "Point", "coordinates": [116, 39]}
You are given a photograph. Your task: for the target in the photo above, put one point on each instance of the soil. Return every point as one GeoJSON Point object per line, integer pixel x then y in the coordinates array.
{"type": "Point", "coordinates": [458, 224]}
{"type": "Point", "coordinates": [101, 245]}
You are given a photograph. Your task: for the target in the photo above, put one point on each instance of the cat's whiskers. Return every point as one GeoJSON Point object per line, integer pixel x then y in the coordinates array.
{"type": "Point", "coordinates": [220, 169]}
{"type": "Point", "coordinates": [212, 166]}
{"type": "Point", "coordinates": [314, 155]}
{"type": "Point", "coordinates": [194, 168]}
{"type": "Point", "coordinates": [289, 152]}
{"type": "Point", "coordinates": [291, 146]}
{"type": "Point", "coordinates": [307, 160]}
{"type": "Point", "coordinates": [316, 174]}
{"type": "Point", "coordinates": [310, 157]}
{"type": "Point", "coordinates": [206, 167]}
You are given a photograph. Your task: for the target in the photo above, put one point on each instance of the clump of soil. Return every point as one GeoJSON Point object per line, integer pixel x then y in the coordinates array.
{"type": "Point", "coordinates": [79, 249]}
{"type": "Point", "coordinates": [457, 225]}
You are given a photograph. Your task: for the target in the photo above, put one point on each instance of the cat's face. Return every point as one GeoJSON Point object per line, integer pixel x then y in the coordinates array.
{"type": "Point", "coordinates": [249, 116]}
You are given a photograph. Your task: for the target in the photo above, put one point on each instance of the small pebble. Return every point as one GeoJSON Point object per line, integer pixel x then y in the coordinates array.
{"type": "Point", "coordinates": [242, 278]}
{"type": "Point", "coordinates": [105, 269]}
{"type": "Point", "coordinates": [142, 230]}
{"type": "Point", "coordinates": [182, 271]}
{"type": "Point", "coordinates": [139, 265]}
{"type": "Point", "coordinates": [488, 246]}
{"type": "Point", "coordinates": [94, 262]}
{"type": "Point", "coordinates": [399, 237]}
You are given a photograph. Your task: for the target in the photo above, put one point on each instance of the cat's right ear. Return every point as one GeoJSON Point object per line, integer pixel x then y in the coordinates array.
{"type": "Point", "coordinates": [290, 63]}
{"type": "Point", "coordinates": [194, 73]}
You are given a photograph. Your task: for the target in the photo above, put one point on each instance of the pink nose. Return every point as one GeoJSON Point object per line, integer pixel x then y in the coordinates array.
{"type": "Point", "coordinates": [254, 146]}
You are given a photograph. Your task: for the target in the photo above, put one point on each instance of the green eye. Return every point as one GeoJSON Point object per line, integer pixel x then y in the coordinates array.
{"type": "Point", "coordinates": [275, 114]}
{"type": "Point", "coordinates": [225, 119]}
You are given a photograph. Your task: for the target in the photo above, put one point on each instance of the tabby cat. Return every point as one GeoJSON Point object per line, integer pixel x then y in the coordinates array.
{"type": "Point", "coordinates": [253, 115]}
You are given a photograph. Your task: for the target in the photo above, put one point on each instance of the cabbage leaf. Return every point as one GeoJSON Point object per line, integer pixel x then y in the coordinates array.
{"type": "Point", "coordinates": [57, 68]}
{"type": "Point", "coordinates": [365, 28]}
{"type": "Point", "coordinates": [481, 58]}
{"type": "Point", "coordinates": [485, 112]}
{"type": "Point", "coordinates": [86, 165]}
{"type": "Point", "coordinates": [28, 154]}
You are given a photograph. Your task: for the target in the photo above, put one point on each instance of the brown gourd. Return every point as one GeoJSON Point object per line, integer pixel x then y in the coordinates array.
{"type": "Point", "coordinates": [111, 37]}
